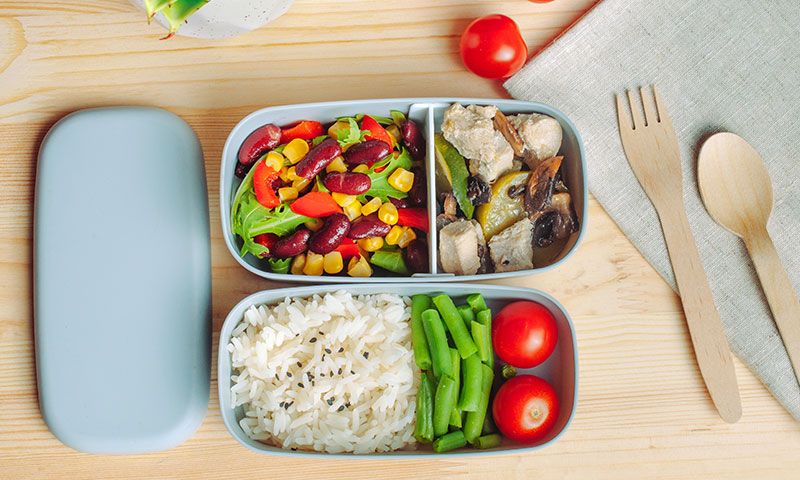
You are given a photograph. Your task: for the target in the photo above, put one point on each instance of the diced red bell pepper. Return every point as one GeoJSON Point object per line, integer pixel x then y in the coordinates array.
{"type": "Point", "coordinates": [348, 249]}
{"type": "Point", "coordinates": [413, 217]}
{"type": "Point", "coordinates": [266, 240]}
{"type": "Point", "coordinates": [376, 131]}
{"type": "Point", "coordinates": [315, 205]}
{"type": "Point", "coordinates": [307, 130]}
{"type": "Point", "coordinates": [263, 180]}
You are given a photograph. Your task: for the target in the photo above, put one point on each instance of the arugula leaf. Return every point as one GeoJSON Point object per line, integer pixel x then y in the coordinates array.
{"type": "Point", "coordinates": [252, 219]}
{"type": "Point", "coordinates": [279, 265]}
{"type": "Point", "coordinates": [352, 134]}
{"type": "Point", "coordinates": [398, 117]}
{"type": "Point", "coordinates": [317, 140]}
{"type": "Point", "coordinates": [380, 181]}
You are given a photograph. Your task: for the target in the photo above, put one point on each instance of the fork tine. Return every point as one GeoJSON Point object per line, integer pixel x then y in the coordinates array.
{"type": "Point", "coordinates": [623, 117]}
{"type": "Point", "coordinates": [650, 115]}
{"type": "Point", "coordinates": [663, 115]}
{"type": "Point", "coordinates": [638, 121]}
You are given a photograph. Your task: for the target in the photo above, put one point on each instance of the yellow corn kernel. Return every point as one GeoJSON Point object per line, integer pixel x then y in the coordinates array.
{"type": "Point", "coordinates": [337, 127]}
{"type": "Point", "coordinates": [337, 165]}
{"type": "Point", "coordinates": [371, 244]}
{"type": "Point", "coordinates": [406, 237]}
{"type": "Point", "coordinates": [394, 132]}
{"type": "Point", "coordinates": [286, 194]}
{"type": "Point", "coordinates": [285, 175]}
{"type": "Point", "coordinates": [394, 235]}
{"type": "Point", "coordinates": [388, 213]}
{"type": "Point", "coordinates": [297, 264]}
{"type": "Point", "coordinates": [291, 174]}
{"type": "Point", "coordinates": [361, 168]}
{"type": "Point", "coordinates": [343, 199]}
{"type": "Point", "coordinates": [300, 184]}
{"type": "Point", "coordinates": [353, 210]}
{"type": "Point", "coordinates": [314, 264]}
{"type": "Point", "coordinates": [314, 224]}
{"type": "Point", "coordinates": [359, 268]}
{"type": "Point", "coordinates": [295, 150]}
{"type": "Point", "coordinates": [371, 207]}
{"type": "Point", "coordinates": [332, 263]}
{"type": "Point", "coordinates": [274, 160]}
{"type": "Point", "coordinates": [401, 179]}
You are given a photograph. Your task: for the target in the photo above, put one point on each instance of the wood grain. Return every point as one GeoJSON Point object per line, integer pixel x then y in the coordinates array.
{"type": "Point", "coordinates": [643, 411]}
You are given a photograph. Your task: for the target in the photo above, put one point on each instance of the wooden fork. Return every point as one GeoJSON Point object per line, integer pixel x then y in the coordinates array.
{"type": "Point", "coordinates": [652, 149]}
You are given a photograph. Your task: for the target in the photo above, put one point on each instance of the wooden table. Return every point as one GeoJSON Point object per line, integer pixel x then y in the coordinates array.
{"type": "Point", "coordinates": [643, 411]}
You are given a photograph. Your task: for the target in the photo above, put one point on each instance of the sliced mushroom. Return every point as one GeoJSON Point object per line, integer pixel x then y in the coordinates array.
{"type": "Point", "coordinates": [557, 222]}
{"type": "Point", "coordinates": [541, 184]}
{"type": "Point", "coordinates": [449, 207]}
{"type": "Point", "coordinates": [502, 125]}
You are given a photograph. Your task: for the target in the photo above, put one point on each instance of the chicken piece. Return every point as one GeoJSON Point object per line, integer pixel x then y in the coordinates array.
{"type": "Point", "coordinates": [471, 130]}
{"type": "Point", "coordinates": [512, 248]}
{"type": "Point", "coordinates": [460, 246]}
{"type": "Point", "coordinates": [540, 134]}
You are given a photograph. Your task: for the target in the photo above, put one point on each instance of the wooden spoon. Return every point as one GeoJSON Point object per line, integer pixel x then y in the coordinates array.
{"type": "Point", "coordinates": [737, 192]}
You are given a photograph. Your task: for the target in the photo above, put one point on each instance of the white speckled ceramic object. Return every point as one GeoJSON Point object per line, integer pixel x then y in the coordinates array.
{"type": "Point", "coordinates": [228, 18]}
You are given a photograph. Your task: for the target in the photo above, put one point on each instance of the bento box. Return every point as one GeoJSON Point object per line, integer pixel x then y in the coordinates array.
{"type": "Point", "coordinates": [428, 114]}
{"type": "Point", "coordinates": [560, 369]}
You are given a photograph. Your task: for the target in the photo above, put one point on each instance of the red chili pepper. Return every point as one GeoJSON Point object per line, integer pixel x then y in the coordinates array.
{"type": "Point", "coordinates": [348, 250]}
{"type": "Point", "coordinates": [307, 130]}
{"type": "Point", "coordinates": [263, 179]}
{"type": "Point", "coordinates": [315, 205]}
{"type": "Point", "coordinates": [376, 131]}
{"type": "Point", "coordinates": [267, 240]}
{"type": "Point", "coordinates": [413, 217]}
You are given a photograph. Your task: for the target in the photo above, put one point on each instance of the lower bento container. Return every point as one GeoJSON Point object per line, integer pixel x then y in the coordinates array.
{"type": "Point", "coordinates": [428, 113]}
{"type": "Point", "coordinates": [561, 369]}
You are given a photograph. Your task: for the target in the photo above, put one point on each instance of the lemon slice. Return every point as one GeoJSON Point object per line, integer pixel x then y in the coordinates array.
{"type": "Point", "coordinates": [502, 211]}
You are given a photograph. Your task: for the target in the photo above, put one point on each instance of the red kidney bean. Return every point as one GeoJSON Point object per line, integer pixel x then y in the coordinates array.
{"type": "Point", "coordinates": [330, 236]}
{"type": "Point", "coordinates": [350, 183]}
{"type": "Point", "coordinates": [292, 245]}
{"type": "Point", "coordinates": [399, 202]}
{"type": "Point", "coordinates": [318, 158]}
{"type": "Point", "coordinates": [418, 193]}
{"type": "Point", "coordinates": [417, 256]}
{"type": "Point", "coordinates": [369, 226]}
{"type": "Point", "coordinates": [367, 152]}
{"type": "Point", "coordinates": [242, 169]}
{"type": "Point", "coordinates": [259, 142]}
{"type": "Point", "coordinates": [412, 138]}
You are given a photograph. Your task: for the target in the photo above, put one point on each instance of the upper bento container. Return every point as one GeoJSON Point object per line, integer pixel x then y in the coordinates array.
{"type": "Point", "coordinates": [428, 113]}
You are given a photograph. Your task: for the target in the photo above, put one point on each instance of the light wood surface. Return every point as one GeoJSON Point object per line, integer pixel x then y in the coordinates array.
{"type": "Point", "coordinates": [737, 191]}
{"type": "Point", "coordinates": [643, 410]}
{"type": "Point", "coordinates": [652, 149]}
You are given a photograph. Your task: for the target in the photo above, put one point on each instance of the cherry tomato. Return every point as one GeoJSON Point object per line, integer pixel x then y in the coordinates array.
{"type": "Point", "coordinates": [492, 47]}
{"type": "Point", "coordinates": [525, 408]}
{"type": "Point", "coordinates": [524, 334]}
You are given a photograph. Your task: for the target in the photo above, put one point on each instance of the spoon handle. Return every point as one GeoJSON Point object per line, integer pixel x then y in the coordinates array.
{"type": "Point", "coordinates": [705, 327]}
{"type": "Point", "coordinates": [779, 291]}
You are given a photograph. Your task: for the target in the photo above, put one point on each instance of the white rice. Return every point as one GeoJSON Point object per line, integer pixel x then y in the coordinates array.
{"type": "Point", "coordinates": [366, 406]}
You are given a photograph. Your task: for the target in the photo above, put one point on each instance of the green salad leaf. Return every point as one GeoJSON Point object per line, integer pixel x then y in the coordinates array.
{"type": "Point", "coordinates": [279, 265]}
{"type": "Point", "coordinates": [317, 140]}
{"type": "Point", "coordinates": [351, 135]}
{"type": "Point", "coordinates": [380, 181]}
{"type": "Point", "coordinates": [378, 118]}
{"type": "Point", "coordinates": [398, 117]}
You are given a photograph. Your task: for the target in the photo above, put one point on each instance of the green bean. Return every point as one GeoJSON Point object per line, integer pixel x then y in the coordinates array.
{"type": "Point", "coordinates": [455, 324]}
{"type": "Point", "coordinates": [474, 421]}
{"type": "Point", "coordinates": [484, 317]}
{"type": "Point", "coordinates": [451, 441]}
{"type": "Point", "coordinates": [488, 425]}
{"type": "Point", "coordinates": [467, 314]}
{"type": "Point", "coordinates": [477, 302]}
{"type": "Point", "coordinates": [443, 404]}
{"type": "Point", "coordinates": [422, 356]}
{"type": "Point", "coordinates": [480, 335]}
{"type": "Point", "coordinates": [455, 415]}
{"type": "Point", "coordinates": [470, 397]}
{"type": "Point", "coordinates": [488, 441]}
{"type": "Point", "coordinates": [437, 342]}
{"type": "Point", "coordinates": [423, 429]}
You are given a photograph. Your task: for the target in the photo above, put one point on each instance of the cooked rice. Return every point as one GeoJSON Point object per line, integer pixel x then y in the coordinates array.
{"type": "Point", "coordinates": [332, 373]}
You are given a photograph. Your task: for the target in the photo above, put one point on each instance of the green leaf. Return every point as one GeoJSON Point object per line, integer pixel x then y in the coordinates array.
{"type": "Point", "coordinates": [318, 140]}
{"type": "Point", "coordinates": [380, 181]}
{"type": "Point", "coordinates": [155, 6]}
{"type": "Point", "coordinates": [351, 135]}
{"type": "Point", "coordinates": [279, 265]}
{"type": "Point", "coordinates": [398, 117]}
{"type": "Point", "coordinates": [254, 219]}
{"type": "Point", "coordinates": [177, 12]}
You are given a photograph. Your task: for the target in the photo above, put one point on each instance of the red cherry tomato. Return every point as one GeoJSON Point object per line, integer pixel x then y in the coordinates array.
{"type": "Point", "coordinates": [525, 408]}
{"type": "Point", "coordinates": [524, 334]}
{"type": "Point", "coordinates": [492, 47]}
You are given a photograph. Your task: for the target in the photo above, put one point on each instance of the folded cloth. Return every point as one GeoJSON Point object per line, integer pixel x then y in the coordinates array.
{"type": "Point", "coordinates": [720, 65]}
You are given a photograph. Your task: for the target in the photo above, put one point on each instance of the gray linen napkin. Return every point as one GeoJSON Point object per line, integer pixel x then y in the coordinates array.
{"type": "Point", "coordinates": [721, 65]}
